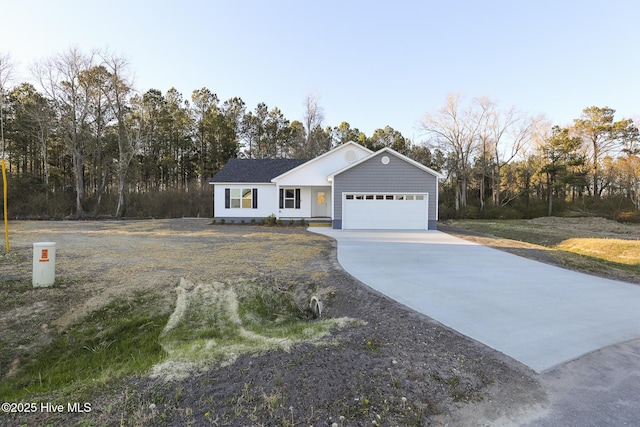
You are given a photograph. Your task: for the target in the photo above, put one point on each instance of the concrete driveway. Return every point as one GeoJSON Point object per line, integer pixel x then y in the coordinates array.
{"type": "Point", "coordinates": [536, 313]}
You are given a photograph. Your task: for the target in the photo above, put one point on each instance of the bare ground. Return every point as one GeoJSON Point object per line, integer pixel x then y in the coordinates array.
{"type": "Point", "coordinates": [400, 368]}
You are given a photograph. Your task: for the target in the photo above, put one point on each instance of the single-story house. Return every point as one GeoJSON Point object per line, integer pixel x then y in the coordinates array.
{"type": "Point", "coordinates": [351, 186]}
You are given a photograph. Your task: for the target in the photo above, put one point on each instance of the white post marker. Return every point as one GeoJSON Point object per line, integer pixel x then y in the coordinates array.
{"type": "Point", "coordinates": [44, 264]}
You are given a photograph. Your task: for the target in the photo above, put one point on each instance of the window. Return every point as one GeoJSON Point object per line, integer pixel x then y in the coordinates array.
{"type": "Point", "coordinates": [289, 198]}
{"type": "Point", "coordinates": [246, 198]}
{"type": "Point", "coordinates": [384, 196]}
{"type": "Point", "coordinates": [241, 198]}
{"type": "Point", "coordinates": [235, 197]}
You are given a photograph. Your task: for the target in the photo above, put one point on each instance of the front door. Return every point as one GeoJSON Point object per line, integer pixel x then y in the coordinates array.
{"type": "Point", "coordinates": [320, 204]}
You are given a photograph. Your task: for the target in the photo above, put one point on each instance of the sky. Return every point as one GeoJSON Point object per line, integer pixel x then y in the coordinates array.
{"type": "Point", "coordinates": [370, 63]}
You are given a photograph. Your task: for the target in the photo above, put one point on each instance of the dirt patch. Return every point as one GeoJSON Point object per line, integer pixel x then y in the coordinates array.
{"type": "Point", "coordinates": [395, 368]}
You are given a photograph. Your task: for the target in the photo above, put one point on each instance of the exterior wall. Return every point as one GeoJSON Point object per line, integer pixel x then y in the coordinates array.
{"type": "Point", "coordinates": [373, 176]}
{"type": "Point", "coordinates": [305, 204]}
{"type": "Point", "coordinates": [315, 172]}
{"type": "Point", "coordinates": [267, 202]}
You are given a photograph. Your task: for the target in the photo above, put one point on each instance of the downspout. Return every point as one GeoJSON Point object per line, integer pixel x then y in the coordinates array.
{"type": "Point", "coordinates": [437, 218]}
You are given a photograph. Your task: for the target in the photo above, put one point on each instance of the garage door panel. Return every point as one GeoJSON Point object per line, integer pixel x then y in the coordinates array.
{"type": "Point", "coordinates": [399, 211]}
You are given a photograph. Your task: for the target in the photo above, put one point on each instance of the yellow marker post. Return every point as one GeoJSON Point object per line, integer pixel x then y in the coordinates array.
{"type": "Point", "coordinates": [6, 220]}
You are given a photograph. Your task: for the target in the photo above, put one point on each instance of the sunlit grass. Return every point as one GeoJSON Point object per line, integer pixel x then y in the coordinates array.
{"type": "Point", "coordinates": [614, 250]}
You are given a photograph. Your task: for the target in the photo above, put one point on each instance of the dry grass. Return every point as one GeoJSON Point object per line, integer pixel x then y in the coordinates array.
{"type": "Point", "coordinates": [614, 250]}
{"type": "Point", "coordinates": [99, 262]}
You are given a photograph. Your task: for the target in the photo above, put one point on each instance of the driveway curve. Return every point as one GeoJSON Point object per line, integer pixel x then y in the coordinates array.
{"type": "Point", "coordinates": [538, 314]}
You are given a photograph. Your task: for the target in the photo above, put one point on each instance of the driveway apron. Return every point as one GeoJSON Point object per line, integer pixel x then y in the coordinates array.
{"type": "Point", "coordinates": [538, 314]}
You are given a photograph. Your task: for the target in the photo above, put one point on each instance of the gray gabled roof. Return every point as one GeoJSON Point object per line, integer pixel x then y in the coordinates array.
{"type": "Point", "coordinates": [254, 170]}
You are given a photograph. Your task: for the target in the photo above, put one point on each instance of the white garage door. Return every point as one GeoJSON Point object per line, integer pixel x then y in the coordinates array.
{"type": "Point", "coordinates": [408, 211]}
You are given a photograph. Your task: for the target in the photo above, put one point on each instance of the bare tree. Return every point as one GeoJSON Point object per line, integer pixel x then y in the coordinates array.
{"type": "Point", "coordinates": [117, 92]}
{"type": "Point", "coordinates": [316, 141]}
{"type": "Point", "coordinates": [6, 72]}
{"type": "Point", "coordinates": [60, 78]}
{"type": "Point", "coordinates": [39, 111]}
{"type": "Point", "coordinates": [504, 135]}
{"type": "Point", "coordinates": [455, 130]}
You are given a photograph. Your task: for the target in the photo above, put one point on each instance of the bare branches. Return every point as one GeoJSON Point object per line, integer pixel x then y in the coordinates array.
{"type": "Point", "coordinates": [6, 72]}
{"type": "Point", "coordinates": [481, 129]}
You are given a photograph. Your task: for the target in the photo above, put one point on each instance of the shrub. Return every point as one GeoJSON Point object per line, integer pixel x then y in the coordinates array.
{"type": "Point", "coordinates": [628, 216]}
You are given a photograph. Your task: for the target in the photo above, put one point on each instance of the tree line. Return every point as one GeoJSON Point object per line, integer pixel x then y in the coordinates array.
{"type": "Point", "coordinates": [82, 131]}
{"type": "Point", "coordinates": [82, 141]}
{"type": "Point", "coordinates": [505, 163]}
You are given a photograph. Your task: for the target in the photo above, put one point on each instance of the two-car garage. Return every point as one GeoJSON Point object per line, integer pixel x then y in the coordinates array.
{"type": "Point", "coordinates": [376, 211]}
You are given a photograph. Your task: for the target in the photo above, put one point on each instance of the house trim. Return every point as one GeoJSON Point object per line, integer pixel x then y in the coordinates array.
{"type": "Point", "coordinates": [395, 153]}
{"type": "Point", "coordinates": [323, 155]}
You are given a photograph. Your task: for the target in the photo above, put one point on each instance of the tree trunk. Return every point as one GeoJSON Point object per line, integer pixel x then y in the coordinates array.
{"type": "Point", "coordinates": [120, 209]}
{"type": "Point", "coordinates": [596, 154]}
{"type": "Point", "coordinates": [125, 154]}
{"type": "Point", "coordinates": [78, 163]}
{"type": "Point", "coordinates": [549, 196]}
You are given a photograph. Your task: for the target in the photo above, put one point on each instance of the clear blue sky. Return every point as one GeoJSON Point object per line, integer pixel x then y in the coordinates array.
{"type": "Point", "coordinates": [371, 63]}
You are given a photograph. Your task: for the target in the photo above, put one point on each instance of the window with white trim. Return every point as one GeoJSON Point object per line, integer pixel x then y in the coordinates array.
{"type": "Point", "coordinates": [290, 198]}
{"type": "Point", "coordinates": [241, 198]}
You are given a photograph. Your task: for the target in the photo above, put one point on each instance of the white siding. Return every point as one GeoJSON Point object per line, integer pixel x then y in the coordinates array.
{"type": "Point", "coordinates": [305, 204]}
{"type": "Point", "coordinates": [267, 201]}
{"type": "Point", "coordinates": [316, 171]}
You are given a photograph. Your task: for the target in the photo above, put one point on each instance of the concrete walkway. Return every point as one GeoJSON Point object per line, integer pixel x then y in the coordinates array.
{"type": "Point", "coordinates": [536, 313]}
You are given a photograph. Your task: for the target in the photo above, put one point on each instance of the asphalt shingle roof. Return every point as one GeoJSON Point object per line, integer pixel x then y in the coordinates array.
{"type": "Point", "coordinates": [254, 170]}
